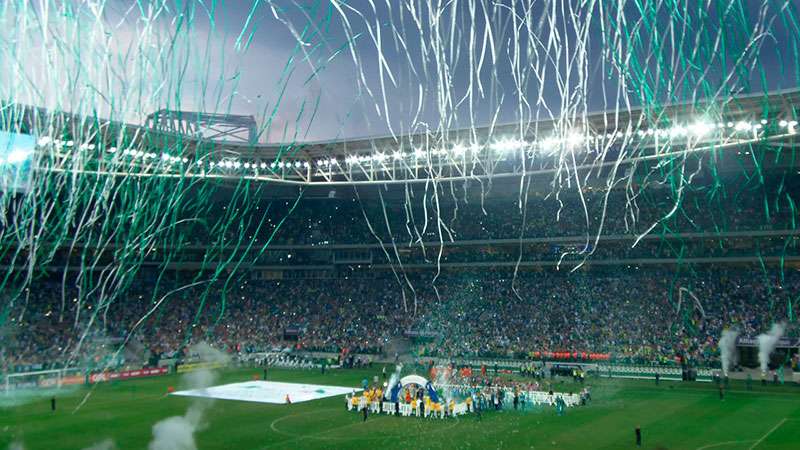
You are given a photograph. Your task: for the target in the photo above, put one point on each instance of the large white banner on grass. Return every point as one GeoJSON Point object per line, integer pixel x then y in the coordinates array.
{"type": "Point", "coordinates": [267, 392]}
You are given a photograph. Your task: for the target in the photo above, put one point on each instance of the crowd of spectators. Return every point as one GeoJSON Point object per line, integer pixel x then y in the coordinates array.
{"type": "Point", "coordinates": [331, 221]}
{"type": "Point", "coordinates": [638, 313]}
{"type": "Point", "coordinates": [633, 314]}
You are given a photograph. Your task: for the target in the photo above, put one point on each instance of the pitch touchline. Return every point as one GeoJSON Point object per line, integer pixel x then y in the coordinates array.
{"type": "Point", "coordinates": [768, 433]}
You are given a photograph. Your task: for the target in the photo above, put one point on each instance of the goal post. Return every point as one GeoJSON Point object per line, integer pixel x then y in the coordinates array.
{"type": "Point", "coordinates": [34, 380]}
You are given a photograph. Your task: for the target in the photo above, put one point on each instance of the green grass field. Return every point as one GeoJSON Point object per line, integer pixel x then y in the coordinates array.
{"type": "Point", "coordinates": [672, 416]}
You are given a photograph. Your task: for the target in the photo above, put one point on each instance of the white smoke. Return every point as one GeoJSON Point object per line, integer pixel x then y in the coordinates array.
{"type": "Point", "coordinates": [106, 444]}
{"type": "Point", "coordinates": [393, 380]}
{"type": "Point", "coordinates": [177, 432]}
{"type": "Point", "coordinates": [727, 349]}
{"type": "Point", "coordinates": [444, 382]}
{"type": "Point", "coordinates": [768, 342]}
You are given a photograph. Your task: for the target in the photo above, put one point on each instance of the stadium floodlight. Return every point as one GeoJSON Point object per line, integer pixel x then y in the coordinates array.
{"type": "Point", "coordinates": [575, 139]}
{"type": "Point", "coordinates": [459, 149]}
{"type": "Point", "coordinates": [701, 128]}
{"type": "Point", "coordinates": [677, 131]}
{"type": "Point", "coordinates": [508, 145]}
{"type": "Point", "coordinates": [44, 141]}
{"type": "Point", "coordinates": [549, 143]}
{"type": "Point", "coordinates": [397, 156]}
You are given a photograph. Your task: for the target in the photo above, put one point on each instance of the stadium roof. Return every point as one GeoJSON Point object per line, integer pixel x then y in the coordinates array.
{"type": "Point", "coordinates": [175, 143]}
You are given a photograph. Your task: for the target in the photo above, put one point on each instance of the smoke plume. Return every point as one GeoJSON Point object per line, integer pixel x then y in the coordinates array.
{"type": "Point", "coordinates": [727, 349]}
{"type": "Point", "coordinates": [177, 432]}
{"type": "Point", "coordinates": [393, 380]}
{"type": "Point", "coordinates": [767, 343]}
{"type": "Point", "coordinates": [106, 444]}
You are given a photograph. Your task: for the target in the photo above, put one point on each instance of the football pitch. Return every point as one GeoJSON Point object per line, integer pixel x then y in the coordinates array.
{"type": "Point", "coordinates": [672, 415]}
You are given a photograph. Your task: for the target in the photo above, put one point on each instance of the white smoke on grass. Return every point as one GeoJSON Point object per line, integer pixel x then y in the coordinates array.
{"type": "Point", "coordinates": [767, 343]}
{"type": "Point", "coordinates": [177, 432]}
{"type": "Point", "coordinates": [727, 349]}
{"type": "Point", "coordinates": [106, 444]}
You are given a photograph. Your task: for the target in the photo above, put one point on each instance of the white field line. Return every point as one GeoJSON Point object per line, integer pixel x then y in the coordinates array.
{"type": "Point", "coordinates": [769, 432]}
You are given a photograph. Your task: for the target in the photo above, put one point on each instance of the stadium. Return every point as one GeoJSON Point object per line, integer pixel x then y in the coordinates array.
{"type": "Point", "coordinates": [399, 224]}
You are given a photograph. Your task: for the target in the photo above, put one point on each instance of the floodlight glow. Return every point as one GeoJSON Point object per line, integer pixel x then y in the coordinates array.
{"type": "Point", "coordinates": [550, 142]}
{"type": "Point", "coordinates": [701, 129]}
{"type": "Point", "coordinates": [507, 145]}
{"type": "Point", "coordinates": [575, 139]}
{"type": "Point", "coordinates": [677, 131]}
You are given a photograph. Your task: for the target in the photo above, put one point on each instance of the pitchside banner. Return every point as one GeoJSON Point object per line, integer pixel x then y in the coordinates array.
{"type": "Point", "coordinates": [127, 374]}
{"type": "Point", "coordinates": [784, 342]}
{"type": "Point", "coordinates": [201, 365]}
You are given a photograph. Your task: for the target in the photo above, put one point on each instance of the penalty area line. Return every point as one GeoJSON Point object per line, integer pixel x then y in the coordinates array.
{"type": "Point", "coordinates": [722, 444]}
{"type": "Point", "coordinates": [772, 430]}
